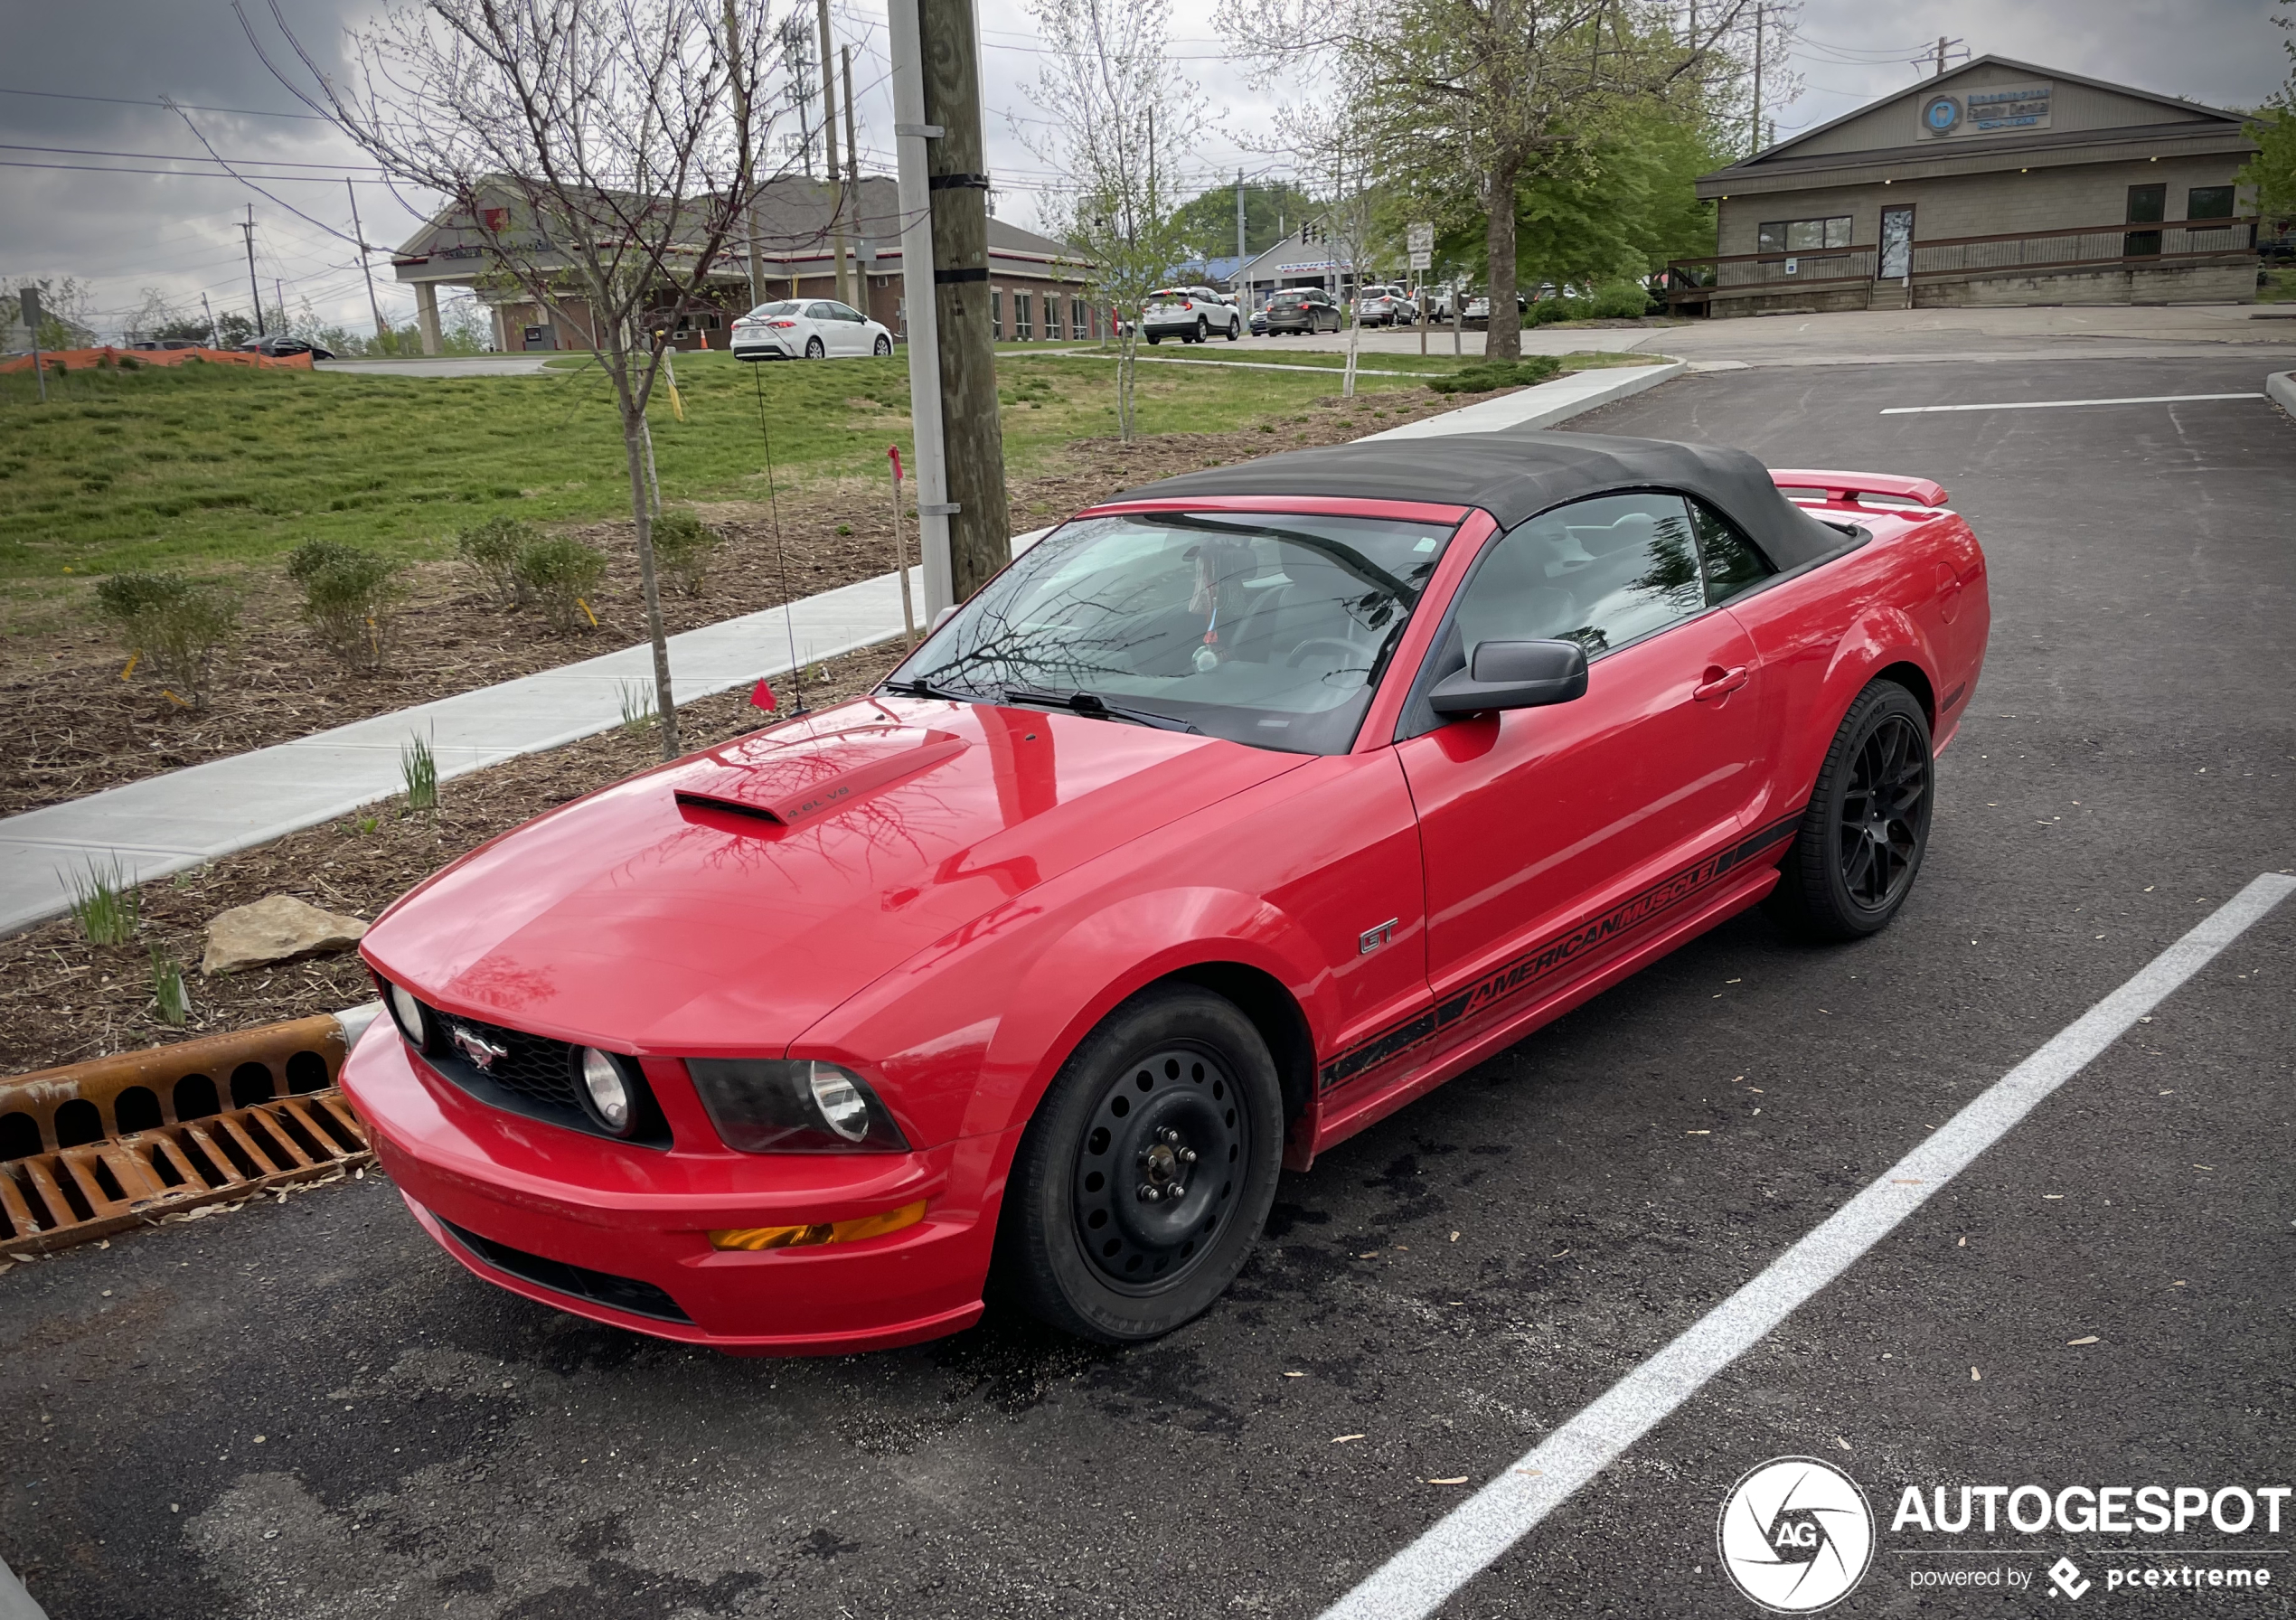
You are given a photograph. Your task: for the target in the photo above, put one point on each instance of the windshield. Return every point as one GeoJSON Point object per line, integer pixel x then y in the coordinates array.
{"type": "Point", "coordinates": [1270, 630]}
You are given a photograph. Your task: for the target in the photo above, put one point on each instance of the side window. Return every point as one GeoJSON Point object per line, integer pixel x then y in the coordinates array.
{"type": "Point", "coordinates": [1600, 572]}
{"type": "Point", "coordinates": [821, 312]}
{"type": "Point", "coordinates": [846, 312]}
{"type": "Point", "coordinates": [1730, 562]}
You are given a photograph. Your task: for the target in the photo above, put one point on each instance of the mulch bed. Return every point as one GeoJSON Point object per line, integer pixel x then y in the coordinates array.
{"type": "Point", "coordinates": [69, 725]}
{"type": "Point", "coordinates": [68, 1000]}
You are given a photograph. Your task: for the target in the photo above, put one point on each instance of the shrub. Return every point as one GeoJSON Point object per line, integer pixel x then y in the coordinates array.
{"type": "Point", "coordinates": [683, 545]}
{"type": "Point", "coordinates": [351, 598]}
{"type": "Point", "coordinates": [558, 574]}
{"type": "Point", "coordinates": [1621, 300]}
{"type": "Point", "coordinates": [1487, 375]}
{"type": "Point", "coordinates": [180, 624]}
{"type": "Point", "coordinates": [490, 550]}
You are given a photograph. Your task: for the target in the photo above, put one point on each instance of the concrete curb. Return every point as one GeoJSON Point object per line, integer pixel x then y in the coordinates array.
{"type": "Point", "coordinates": [2282, 387]}
{"type": "Point", "coordinates": [1532, 409]}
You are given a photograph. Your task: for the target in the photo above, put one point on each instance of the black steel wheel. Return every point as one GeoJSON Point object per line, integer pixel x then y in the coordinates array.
{"type": "Point", "coordinates": [1860, 843]}
{"type": "Point", "coordinates": [1147, 1171]}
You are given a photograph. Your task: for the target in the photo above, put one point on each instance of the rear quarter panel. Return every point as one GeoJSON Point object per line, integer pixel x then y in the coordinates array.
{"type": "Point", "coordinates": [1914, 595]}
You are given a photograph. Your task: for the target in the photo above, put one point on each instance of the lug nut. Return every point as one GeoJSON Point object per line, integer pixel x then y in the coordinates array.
{"type": "Point", "coordinates": [1187, 1155]}
{"type": "Point", "coordinates": [1148, 1194]}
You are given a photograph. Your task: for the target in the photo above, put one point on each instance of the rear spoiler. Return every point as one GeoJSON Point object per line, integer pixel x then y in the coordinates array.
{"type": "Point", "coordinates": [1846, 487]}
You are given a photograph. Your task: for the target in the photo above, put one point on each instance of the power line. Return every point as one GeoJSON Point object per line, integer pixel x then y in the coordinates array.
{"type": "Point", "coordinates": [294, 163]}
{"type": "Point", "coordinates": [252, 112]}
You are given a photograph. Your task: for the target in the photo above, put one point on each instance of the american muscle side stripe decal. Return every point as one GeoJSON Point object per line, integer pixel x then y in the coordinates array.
{"type": "Point", "coordinates": [1543, 962]}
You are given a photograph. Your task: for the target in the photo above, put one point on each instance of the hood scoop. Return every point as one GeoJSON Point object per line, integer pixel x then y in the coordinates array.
{"type": "Point", "coordinates": [798, 782]}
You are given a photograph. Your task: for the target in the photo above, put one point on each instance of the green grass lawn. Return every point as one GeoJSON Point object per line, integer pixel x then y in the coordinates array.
{"type": "Point", "coordinates": [215, 466]}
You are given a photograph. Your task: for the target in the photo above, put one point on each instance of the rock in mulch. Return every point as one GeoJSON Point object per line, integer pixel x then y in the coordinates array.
{"type": "Point", "coordinates": [279, 927]}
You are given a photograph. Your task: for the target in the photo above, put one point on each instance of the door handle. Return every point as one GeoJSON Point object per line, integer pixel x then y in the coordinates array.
{"type": "Point", "coordinates": [1719, 683]}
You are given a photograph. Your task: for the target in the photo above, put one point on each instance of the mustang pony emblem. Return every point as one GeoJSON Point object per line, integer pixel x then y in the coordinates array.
{"type": "Point", "coordinates": [481, 1051]}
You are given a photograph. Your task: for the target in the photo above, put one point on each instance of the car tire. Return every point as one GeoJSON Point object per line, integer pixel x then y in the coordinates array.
{"type": "Point", "coordinates": [1155, 337]}
{"type": "Point", "coordinates": [1860, 843]}
{"type": "Point", "coordinates": [1203, 329]}
{"type": "Point", "coordinates": [1174, 1070]}
{"type": "Point", "coordinates": [883, 347]}
{"type": "Point", "coordinates": [1235, 330]}
{"type": "Point", "coordinates": [814, 349]}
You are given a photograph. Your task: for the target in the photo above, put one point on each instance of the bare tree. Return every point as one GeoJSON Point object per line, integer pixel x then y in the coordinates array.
{"type": "Point", "coordinates": [1116, 113]}
{"type": "Point", "coordinates": [1478, 94]}
{"type": "Point", "coordinates": [593, 151]}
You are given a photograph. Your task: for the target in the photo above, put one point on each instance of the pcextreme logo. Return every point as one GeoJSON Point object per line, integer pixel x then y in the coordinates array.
{"type": "Point", "coordinates": [1796, 1535]}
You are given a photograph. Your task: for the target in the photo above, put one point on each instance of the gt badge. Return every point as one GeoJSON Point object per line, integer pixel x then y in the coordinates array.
{"type": "Point", "coordinates": [1372, 939]}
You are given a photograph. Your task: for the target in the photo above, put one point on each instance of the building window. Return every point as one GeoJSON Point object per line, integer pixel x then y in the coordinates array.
{"type": "Point", "coordinates": [1079, 320]}
{"type": "Point", "coordinates": [1023, 316]}
{"type": "Point", "coordinates": [996, 315]}
{"type": "Point", "coordinates": [2209, 203]}
{"type": "Point", "coordinates": [1804, 235]}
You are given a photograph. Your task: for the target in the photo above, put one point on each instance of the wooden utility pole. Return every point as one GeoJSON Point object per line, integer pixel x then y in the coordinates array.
{"type": "Point", "coordinates": [956, 176]}
{"type": "Point", "coordinates": [829, 134]}
{"type": "Point", "coordinates": [254, 288]}
{"type": "Point", "coordinates": [746, 137]}
{"type": "Point", "coordinates": [852, 183]}
{"type": "Point", "coordinates": [359, 233]}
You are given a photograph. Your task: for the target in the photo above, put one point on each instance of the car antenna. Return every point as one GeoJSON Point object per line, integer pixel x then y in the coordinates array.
{"type": "Point", "coordinates": [773, 504]}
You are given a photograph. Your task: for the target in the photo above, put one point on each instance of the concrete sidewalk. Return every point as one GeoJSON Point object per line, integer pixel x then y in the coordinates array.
{"type": "Point", "coordinates": [167, 823]}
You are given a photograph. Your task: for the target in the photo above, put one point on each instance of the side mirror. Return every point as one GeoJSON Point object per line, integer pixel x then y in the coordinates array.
{"type": "Point", "coordinates": [1514, 675]}
{"type": "Point", "coordinates": [944, 615]}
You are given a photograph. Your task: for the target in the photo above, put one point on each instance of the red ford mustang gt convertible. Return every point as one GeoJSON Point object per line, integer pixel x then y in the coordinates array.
{"type": "Point", "coordinates": [1233, 816]}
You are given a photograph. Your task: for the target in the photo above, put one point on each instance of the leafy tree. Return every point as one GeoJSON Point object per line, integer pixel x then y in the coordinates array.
{"type": "Point", "coordinates": [1273, 209]}
{"type": "Point", "coordinates": [1622, 205]}
{"type": "Point", "coordinates": [2272, 126]}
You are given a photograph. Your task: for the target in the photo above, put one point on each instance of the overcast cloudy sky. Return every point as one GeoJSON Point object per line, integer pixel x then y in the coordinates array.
{"type": "Point", "coordinates": [81, 129]}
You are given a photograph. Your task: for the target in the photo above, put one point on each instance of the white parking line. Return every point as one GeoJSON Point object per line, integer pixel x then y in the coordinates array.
{"type": "Point", "coordinates": [2062, 404]}
{"type": "Point", "coordinates": [1417, 1580]}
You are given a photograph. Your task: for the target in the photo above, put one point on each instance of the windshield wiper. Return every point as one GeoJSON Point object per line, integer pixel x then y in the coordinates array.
{"type": "Point", "coordinates": [921, 688]}
{"type": "Point", "coordinates": [1094, 707]}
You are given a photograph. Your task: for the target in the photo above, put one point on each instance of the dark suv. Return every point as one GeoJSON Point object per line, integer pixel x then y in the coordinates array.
{"type": "Point", "coordinates": [1308, 309]}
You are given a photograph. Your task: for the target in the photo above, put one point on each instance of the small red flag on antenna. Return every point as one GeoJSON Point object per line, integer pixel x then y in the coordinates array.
{"type": "Point", "coordinates": [895, 452]}
{"type": "Point", "coordinates": [761, 696]}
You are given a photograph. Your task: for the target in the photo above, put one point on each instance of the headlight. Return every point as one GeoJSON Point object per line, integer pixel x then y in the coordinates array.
{"type": "Point", "coordinates": [774, 1106]}
{"type": "Point", "coordinates": [407, 1013]}
{"type": "Point", "coordinates": [605, 1091]}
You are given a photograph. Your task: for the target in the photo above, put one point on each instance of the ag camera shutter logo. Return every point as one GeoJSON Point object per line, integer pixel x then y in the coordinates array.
{"type": "Point", "coordinates": [1796, 1535]}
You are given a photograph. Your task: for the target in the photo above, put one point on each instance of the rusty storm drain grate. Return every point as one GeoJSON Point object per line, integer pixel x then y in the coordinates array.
{"type": "Point", "coordinates": [54, 1199]}
{"type": "Point", "coordinates": [122, 1142]}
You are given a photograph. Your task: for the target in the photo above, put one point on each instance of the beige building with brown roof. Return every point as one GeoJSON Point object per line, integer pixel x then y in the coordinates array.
{"type": "Point", "coordinates": [1998, 182]}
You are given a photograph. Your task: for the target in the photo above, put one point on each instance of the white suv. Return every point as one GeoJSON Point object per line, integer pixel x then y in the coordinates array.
{"type": "Point", "coordinates": [1190, 314]}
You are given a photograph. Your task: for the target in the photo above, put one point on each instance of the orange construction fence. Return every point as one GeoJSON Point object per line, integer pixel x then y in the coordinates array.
{"type": "Point", "coordinates": [80, 359]}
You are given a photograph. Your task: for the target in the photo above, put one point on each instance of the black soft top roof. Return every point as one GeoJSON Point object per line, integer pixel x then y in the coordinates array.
{"type": "Point", "coordinates": [1517, 475]}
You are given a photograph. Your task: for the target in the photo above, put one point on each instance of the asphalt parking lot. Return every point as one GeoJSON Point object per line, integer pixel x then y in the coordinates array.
{"type": "Point", "coordinates": [309, 1410]}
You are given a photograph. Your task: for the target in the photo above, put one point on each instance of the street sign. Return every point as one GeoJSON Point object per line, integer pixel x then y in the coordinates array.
{"type": "Point", "coordinates": [1422, 261]}
{"type": "Point", "coordinates": [1419, 239]}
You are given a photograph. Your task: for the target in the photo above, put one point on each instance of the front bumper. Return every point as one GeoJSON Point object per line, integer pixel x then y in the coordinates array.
{"type": "Point", "coordinates": [619, 1234]}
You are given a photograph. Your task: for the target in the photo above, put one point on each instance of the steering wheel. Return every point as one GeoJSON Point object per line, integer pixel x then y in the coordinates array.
{"type": "Point", "coordinates": [1346, 649]}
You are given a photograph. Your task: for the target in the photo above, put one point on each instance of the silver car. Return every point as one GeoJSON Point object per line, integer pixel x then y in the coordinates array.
{"type": "Point", "coordinates": [1387, 306]}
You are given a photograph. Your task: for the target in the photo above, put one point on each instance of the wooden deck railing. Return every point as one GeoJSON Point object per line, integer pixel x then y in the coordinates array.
{"type": "Point", "coordinates": [1693, 282]}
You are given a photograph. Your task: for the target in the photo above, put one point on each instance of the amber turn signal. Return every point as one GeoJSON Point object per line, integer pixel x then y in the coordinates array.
{"type": "Point", "coordinates": [820, 1231]}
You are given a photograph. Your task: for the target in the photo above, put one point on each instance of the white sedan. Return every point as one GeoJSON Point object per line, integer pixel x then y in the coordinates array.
{"type": "Point", "coordinates": [808, 329]}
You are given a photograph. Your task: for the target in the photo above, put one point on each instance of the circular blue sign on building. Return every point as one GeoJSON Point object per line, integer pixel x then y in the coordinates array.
{"type": "Point", "coordinates": [1941, 115]}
